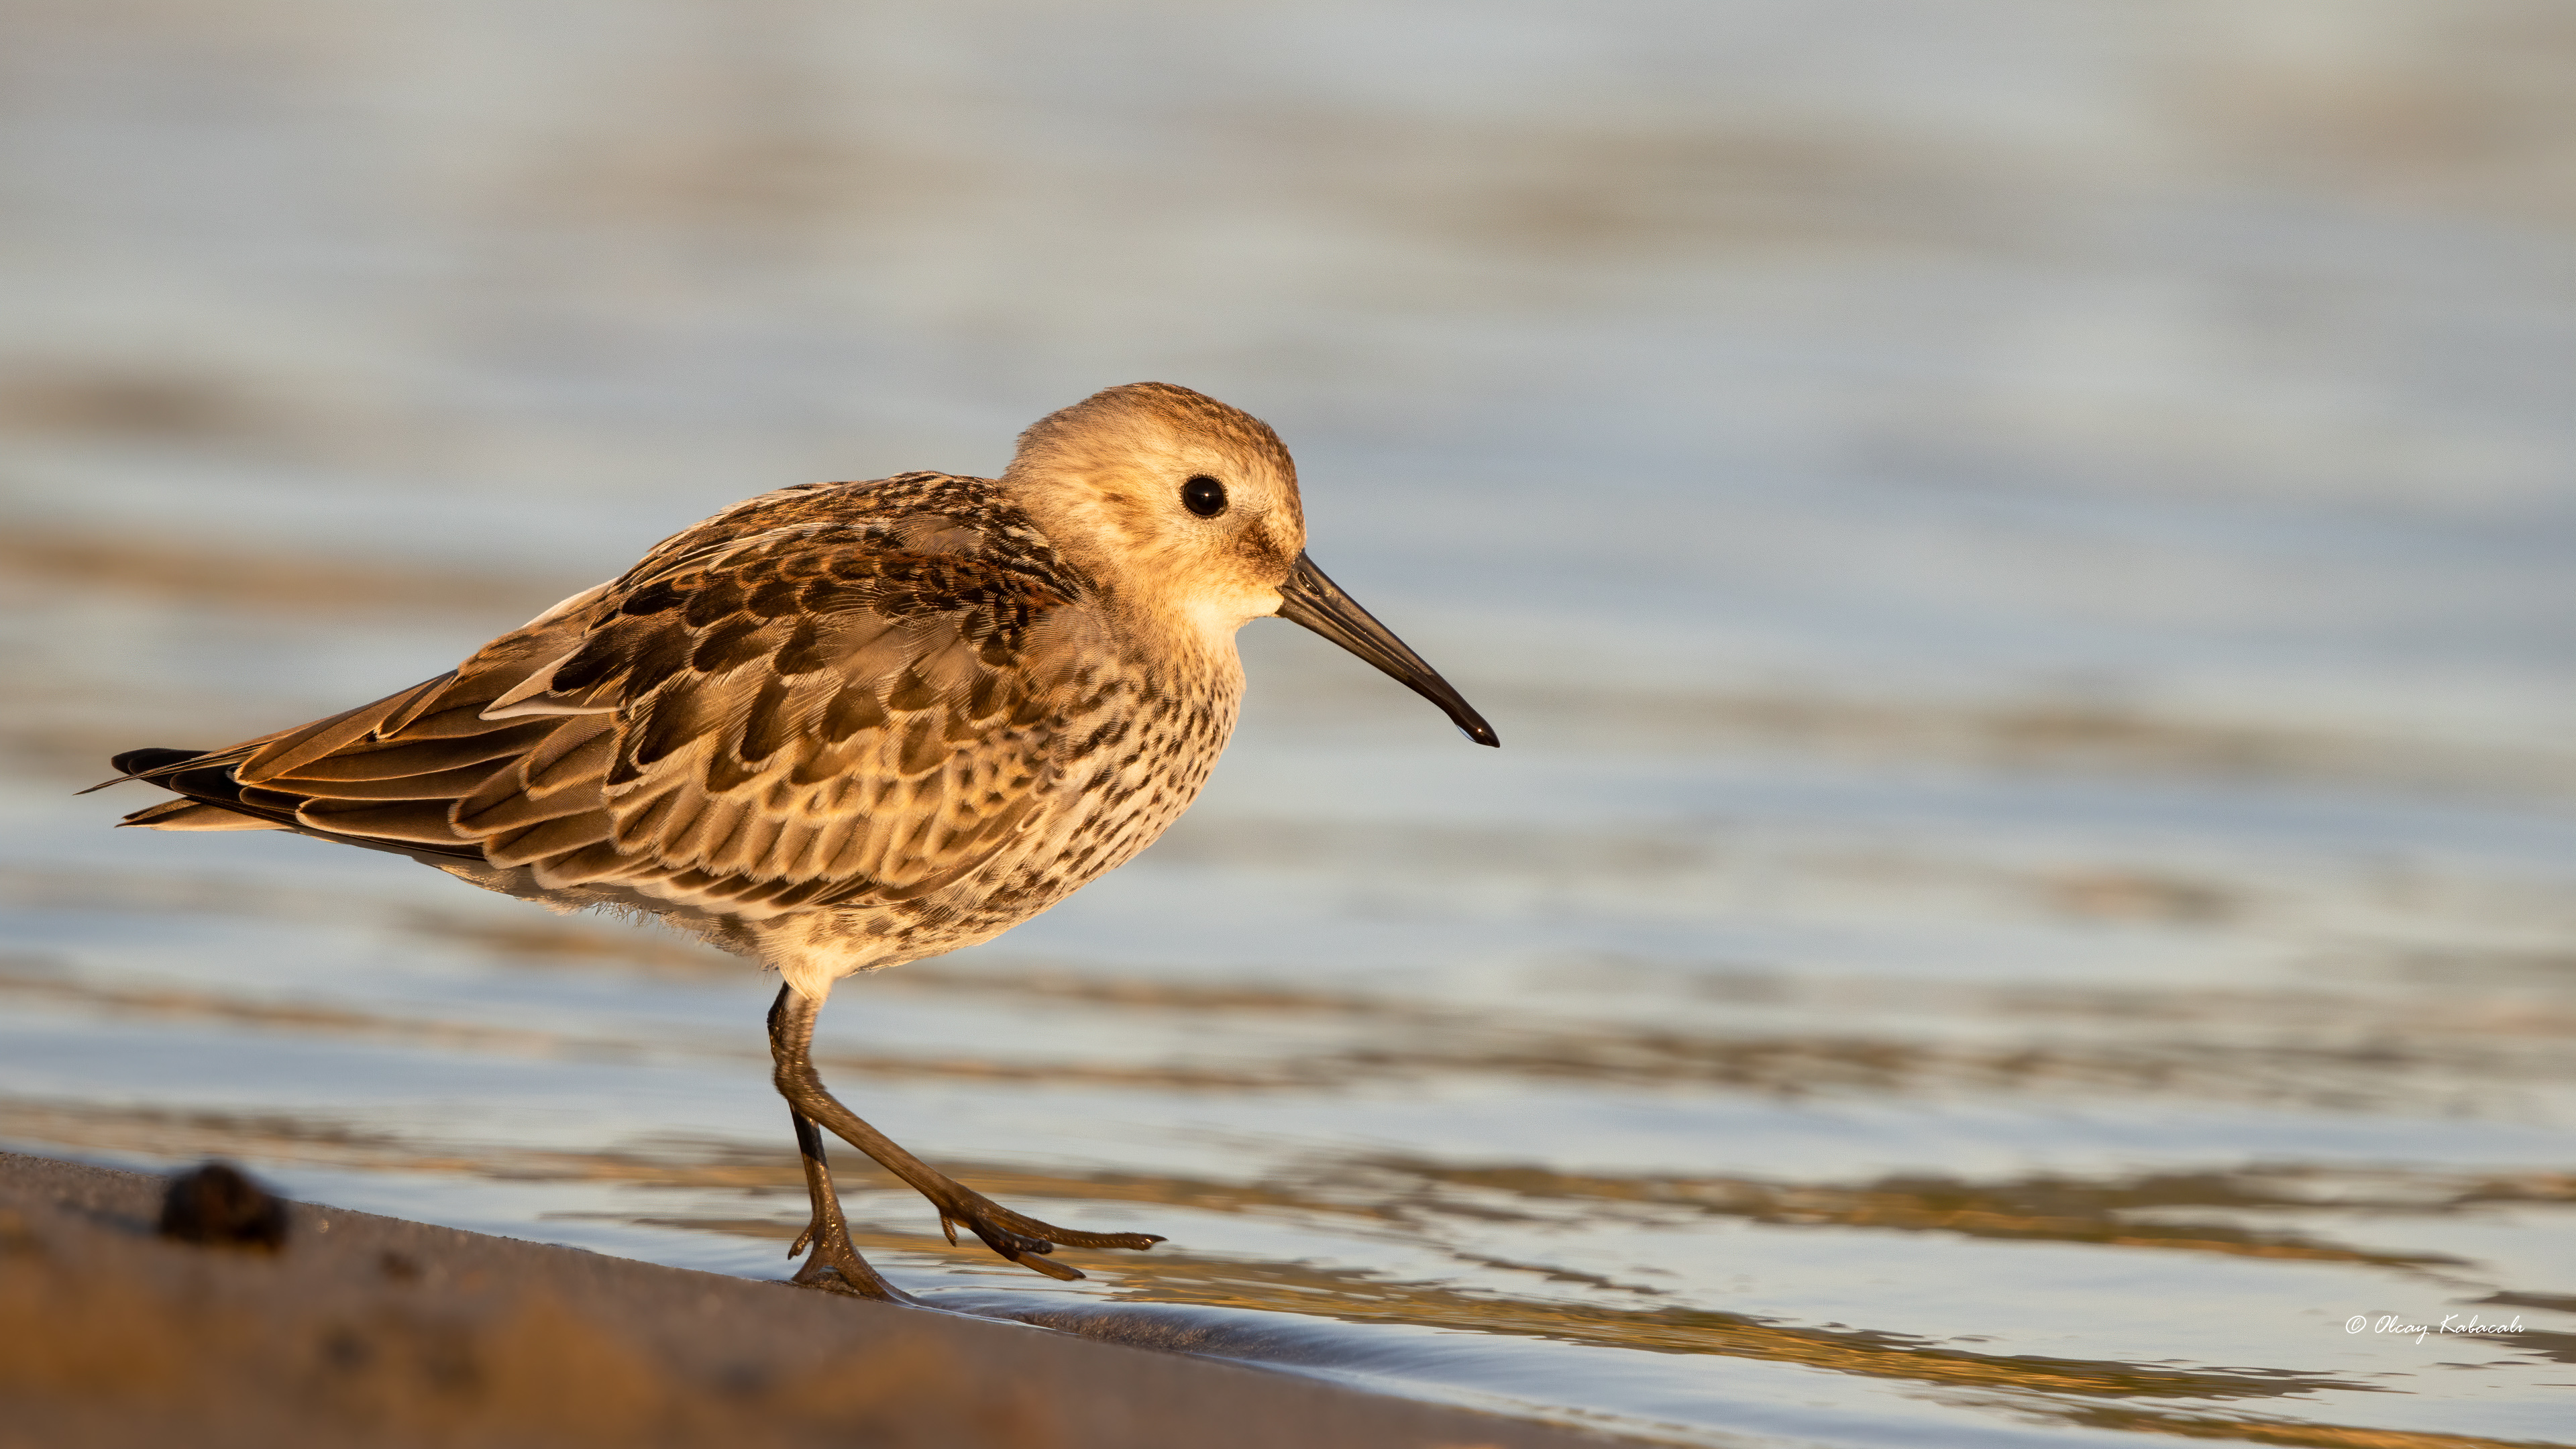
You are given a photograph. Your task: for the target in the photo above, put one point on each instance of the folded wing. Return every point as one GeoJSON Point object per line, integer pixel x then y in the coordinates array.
{"type": "Point", "coordinates": [807, 715]}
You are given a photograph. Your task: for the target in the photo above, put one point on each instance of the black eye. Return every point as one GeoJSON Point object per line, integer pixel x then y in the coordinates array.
{"type": "Point", "coordinates": [1203, 496]}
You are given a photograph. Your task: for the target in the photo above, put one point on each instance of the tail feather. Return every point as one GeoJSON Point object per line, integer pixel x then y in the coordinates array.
{"type": "Point", "coordinates": [391, 768]}
{"type": "Point", "coordinates": [211, 798]}
{"type": "Point", "coordinates": [191, 815]}
{"type": "Point", "coordinates": [159, 765]}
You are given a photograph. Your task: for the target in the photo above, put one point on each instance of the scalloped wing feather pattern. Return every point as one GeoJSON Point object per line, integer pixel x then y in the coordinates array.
{"type": "Point", "coordinates": [842, 693]}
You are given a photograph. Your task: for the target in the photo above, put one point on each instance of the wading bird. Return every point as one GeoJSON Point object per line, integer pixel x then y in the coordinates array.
{"type": "Point", "coordinates": [844, 726]}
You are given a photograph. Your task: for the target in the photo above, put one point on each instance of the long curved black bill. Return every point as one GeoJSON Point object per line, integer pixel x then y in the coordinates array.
{"type": "Point", "coordinates": [1317, 602]}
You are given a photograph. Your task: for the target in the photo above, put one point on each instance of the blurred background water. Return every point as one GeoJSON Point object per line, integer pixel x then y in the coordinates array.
{"type": "Point", "coordinates": [2024, 556]}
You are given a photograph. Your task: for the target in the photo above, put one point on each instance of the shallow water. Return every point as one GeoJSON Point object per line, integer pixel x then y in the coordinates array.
{"type": "Point", "coordinates": [2020, 556]}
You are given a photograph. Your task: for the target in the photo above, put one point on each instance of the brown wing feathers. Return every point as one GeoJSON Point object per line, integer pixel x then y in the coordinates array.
{"type": "Point", "coordinates": [744, 723]}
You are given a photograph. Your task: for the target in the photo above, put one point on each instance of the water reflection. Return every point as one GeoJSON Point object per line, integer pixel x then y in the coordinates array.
{"type": "Point", "coordinates": [2022, 557]}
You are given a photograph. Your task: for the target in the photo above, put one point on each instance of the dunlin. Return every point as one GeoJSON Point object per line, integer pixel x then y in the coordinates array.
{"type": "Point", "coordinates": [844, 726]}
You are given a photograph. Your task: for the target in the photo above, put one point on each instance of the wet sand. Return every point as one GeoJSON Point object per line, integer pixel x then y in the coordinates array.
{"type": "Point", "coordinates": [376, 1330]}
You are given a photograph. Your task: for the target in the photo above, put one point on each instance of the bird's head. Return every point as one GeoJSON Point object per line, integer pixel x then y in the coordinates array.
{"type": "Point", "coordinates": [1185, 511]}
{"type": "Point", "coordinates": [1174, 502]}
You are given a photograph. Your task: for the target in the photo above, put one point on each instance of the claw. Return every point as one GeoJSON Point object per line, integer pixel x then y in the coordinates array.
{"type": "Point", "coordinates": [805, 1240]}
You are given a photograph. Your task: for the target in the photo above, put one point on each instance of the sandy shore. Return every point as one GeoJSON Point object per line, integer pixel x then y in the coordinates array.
{"type": "Point", "coordinates": [366, 1329]}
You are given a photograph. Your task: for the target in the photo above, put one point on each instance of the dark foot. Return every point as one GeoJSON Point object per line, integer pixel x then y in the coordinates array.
{"type": "Point", "coordinates": [1020, 1238]}
{"type": "Point", "coordinates": [836, 1267]}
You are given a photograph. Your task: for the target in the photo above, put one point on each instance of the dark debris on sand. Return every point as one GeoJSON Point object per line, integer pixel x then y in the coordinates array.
{"type": "Point", "coordinates": [218, 1205]}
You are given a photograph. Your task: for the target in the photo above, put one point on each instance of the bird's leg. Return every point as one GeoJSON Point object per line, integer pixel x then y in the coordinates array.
{"type": "Point", "coordinates": [1022, 1239]}
{"type": "Point", "coordinates": [835, 1265]}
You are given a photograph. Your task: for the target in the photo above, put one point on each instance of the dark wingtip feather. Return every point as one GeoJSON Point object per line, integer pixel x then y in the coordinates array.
{"type": "Point", "coordinates": [143, 762]}
{"type": "Point", "coordinates": [138, 763]}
